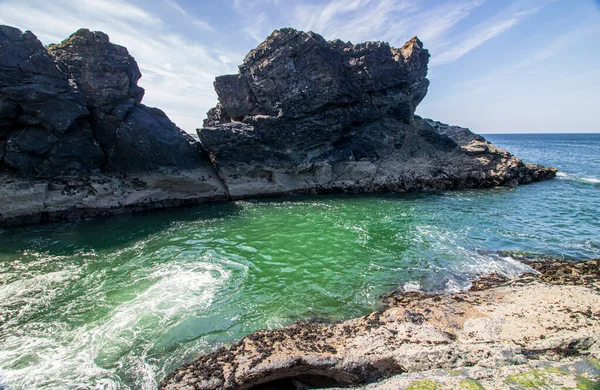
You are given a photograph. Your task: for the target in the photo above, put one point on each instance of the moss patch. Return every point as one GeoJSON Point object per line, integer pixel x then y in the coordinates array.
{"type": "Point", "coordinates": [586, 384]}
{"type": "Point", "coordinates": [535, 378]}
{"type": "Point", "coordinates": [424, 385]}
{"type": "Point", "coordinates": [595, 362]}
{"type": "Point", "coordinates": [471, 384]}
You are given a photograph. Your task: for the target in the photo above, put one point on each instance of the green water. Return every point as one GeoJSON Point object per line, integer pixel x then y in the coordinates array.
{"type": "Point", "coordinates": [117, 303]}
{"type": "Point", "coordinates": [122, 301]}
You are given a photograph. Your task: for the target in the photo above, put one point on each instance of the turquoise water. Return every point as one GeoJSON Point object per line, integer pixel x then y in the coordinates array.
{"type": "Point", "coordinates": [116, 303]}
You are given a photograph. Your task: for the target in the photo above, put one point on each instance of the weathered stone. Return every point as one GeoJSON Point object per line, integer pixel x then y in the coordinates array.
{"type": "Point", "coordinates": [303, 115]}
{"type": "Point", "coordinates": [299, 100]}
{"type": "Point", "coordinates": [104, 73]}
{"type": "Point", "coordinates": [37, 103]}
{"type": "Point", "coordinates": [500, 329]}
{"type": "Point", "coordinates": [70, 115]}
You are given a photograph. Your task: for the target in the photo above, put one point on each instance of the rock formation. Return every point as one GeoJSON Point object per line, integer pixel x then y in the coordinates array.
{"type": "Point", "coordinates": [76, 140]}
{"type": "Point", "coordinates": [305, 114]}
{"type": "Point", "coordinates": [502, 334]}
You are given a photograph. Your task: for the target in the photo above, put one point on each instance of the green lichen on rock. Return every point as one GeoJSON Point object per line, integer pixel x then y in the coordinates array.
{"type": "Point", "coordinates": [536, 378]}
{"type": "Point", "coordinates": [424, 385]}
{"type": "Point", "coordinates": [470, 384]}
{"type": "Point", "coordinates": [595, 362]}
{"type": "Point", "coordinates": [587, 384]}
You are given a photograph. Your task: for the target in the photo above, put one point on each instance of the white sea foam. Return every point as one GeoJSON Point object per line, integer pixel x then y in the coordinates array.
{"type": "Point", "coordinates": [588, 180]}
{"type": "Point", "coordinates": [412, 285]}
{"type": "Point", "coordinates": [61, 357]}
{"type": "Point", "coordinates": [451, 276]}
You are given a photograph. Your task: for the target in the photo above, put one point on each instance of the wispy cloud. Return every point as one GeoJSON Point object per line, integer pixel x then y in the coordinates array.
{"type": "Point", "coordinates": [536, 57]}
{"type": "Point", "coordinates": [182, 46]}
{"type": "Point", "coordinates": [202, 25]}
{"type": "Point", "coordinates": [353, 20]}
{"type": "Point", "coordinates": [177, 73]}
{"type": "Point", "coordinates": [175, 5]}
{"type": "Point", "coordinates": [481, 33]}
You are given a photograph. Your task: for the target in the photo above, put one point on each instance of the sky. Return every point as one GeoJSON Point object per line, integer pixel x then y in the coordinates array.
{"type": "Point", "coordinates": [497, 66]}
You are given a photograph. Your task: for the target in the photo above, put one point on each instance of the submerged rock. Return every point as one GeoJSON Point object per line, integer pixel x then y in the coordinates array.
{"type": "Point", "coordinates": [75, 139]}
{"type": "Point", "coordinates": [305, 114]}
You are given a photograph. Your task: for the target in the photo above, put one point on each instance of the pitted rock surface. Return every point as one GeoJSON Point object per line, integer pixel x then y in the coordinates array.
{"type": "Point", "coordinates": [306, 115]}
{"type": "Point", "coordinates": [497, 333]}
{"type": "Point", "coordinates": [71, 120]}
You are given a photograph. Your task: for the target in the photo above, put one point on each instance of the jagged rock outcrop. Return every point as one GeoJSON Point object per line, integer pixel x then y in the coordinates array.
{"type": "Point", "coordinates": [75, 139]}
{"type": "Point", "coordinates": [305, 114]}
{"type": "Point", "coordinates": [499, 334]}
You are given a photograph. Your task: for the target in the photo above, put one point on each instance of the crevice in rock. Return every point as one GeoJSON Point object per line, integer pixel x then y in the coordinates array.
{"type": "Point", "coordinates": [91, 121]}
{"type": "Point", "coordinates": [248, 84]}
{"type": "Point", "coordinates": [308, 380]}
{"type": "Point", "coordinates": [2, 152]}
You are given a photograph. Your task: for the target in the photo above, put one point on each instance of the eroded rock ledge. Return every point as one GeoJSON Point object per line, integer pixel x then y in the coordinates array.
{"type": "Point", "coordinates": [303, 115]}
{"type": "Point", "coordinates": [544, 326]}
{"type": "Point", "coordinates": [309, 115]}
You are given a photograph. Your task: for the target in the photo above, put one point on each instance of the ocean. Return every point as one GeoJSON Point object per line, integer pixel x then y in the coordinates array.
{"type": "Point", "coordinates": [118, 302]}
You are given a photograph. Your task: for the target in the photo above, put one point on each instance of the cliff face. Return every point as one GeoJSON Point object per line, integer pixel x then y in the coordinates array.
{"type": "Point", "coordinates": [304, 114]}
{"type": "Point", "coordinates": [76, 140]}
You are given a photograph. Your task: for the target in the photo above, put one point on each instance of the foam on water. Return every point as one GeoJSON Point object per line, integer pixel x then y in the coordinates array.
{"type": "Point", "coordinates": [587, 180]}
{"type": "Point", "coordinates": [118, 303]}
{"type": "Point", "coordinates": [57, 356]}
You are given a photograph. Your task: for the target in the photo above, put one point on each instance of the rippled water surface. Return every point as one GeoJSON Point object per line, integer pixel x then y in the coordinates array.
{"type": "Point", "coordinates": [117, 303]}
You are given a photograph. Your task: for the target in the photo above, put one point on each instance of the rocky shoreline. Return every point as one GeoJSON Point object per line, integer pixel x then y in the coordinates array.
{"type": "Point", "coordinates": [540, 329]}
{"type": "Point", "coordinates": [304, 115]}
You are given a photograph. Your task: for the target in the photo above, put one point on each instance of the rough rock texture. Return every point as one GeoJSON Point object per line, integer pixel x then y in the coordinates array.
{"type": "Point", "coordinates": [500, 334]}
{"type": "Point", "coordinates": [75, 139]}
{"type": "Point", "coordinates": [304, 114]}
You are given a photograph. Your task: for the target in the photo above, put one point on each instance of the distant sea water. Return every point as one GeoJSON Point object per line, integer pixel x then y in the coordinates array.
{"type": "Point", "coordinates": [117, 303]}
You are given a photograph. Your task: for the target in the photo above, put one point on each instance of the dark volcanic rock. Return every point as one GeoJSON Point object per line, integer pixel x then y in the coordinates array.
{"type": "Point", "coordinates": [75, 139]}
{"type": "Point", "coordinates": [304, 114]}
{"type": "Point", "coordinates": [74, 108]}
{"type": "Point", "coordinates": [134, 137]}
{"type": "Point", "coordinates": [40, 112]}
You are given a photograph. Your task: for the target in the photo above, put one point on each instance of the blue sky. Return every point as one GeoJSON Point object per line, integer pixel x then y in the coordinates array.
{"type": "Point", "coordinates": [498, 66]}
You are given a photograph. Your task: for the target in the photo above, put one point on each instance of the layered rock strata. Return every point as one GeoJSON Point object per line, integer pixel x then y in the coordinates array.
{"type": "Point", "coordinates": [305, 114]}
{"type": "Point", "coordinates": [75, 139]}
{"type": "Point", "coordinates": [500, 334]}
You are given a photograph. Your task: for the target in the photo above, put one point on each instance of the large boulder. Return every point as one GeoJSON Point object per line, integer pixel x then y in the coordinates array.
{"type": "Point", "coordinates": [75, 139]}
{"type": "Point", "coordinates": [304, 114]}
{"type": "Point", "coordinates": [41, 115]}
{"type": "Point", "coordinates": [134, 137]}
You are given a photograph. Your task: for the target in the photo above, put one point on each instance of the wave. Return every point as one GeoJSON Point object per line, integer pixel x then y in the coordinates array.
{"type": "Point", "coordinates": [579, 179]}
{"type": "Point", "coordinates": [67, 357]}
{"type": "Point", "coordinates": [461, 276]}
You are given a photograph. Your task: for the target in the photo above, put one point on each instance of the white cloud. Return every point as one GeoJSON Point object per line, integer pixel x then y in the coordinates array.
{"type": "Point", "coordinates": [177, 73]}
{"type": "Point", "coordinates": [355, 20]}
{"type": "Point", "coordinates": [535, 58]}
{"type": "Point", "coordinates": [480, 34]}
{"type": "Point", "coordinates": [173, 4]}
{"type": "Point", "coordinates": [202, 25]}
